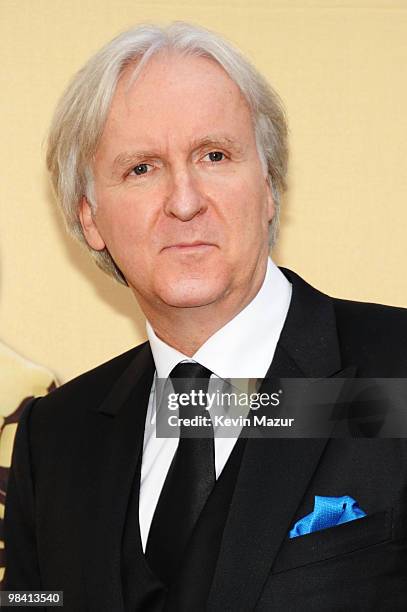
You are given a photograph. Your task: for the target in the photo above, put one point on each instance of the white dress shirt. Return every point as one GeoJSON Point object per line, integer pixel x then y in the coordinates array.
{"type": "Point", "coordinates": [243, 348]}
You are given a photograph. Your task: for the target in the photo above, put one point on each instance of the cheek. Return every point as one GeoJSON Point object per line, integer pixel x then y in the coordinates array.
{"type": "Point", "coordinates": [245, 211]}
{"type": "Point", "coordinates": [123, 215]}
{"type": "Point", "coordinates": [125, 229]}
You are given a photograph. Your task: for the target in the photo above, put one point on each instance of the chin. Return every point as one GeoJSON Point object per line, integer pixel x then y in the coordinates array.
{"type": "Point", "coordinates": [191, 294]}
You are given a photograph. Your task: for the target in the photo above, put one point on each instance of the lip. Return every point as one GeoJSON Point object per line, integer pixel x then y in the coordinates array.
{"type": "Point", "coordinates": [189, 246]}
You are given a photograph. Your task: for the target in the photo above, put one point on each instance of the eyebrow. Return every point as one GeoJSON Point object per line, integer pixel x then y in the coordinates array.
{"type": "Point", "coordinates": [221, 141]}
{"type": "Point", "coordinates": [130, 157]}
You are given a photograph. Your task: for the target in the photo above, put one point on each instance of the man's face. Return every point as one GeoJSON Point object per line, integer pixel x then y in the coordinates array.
{"type": "Point", "coordinates": [182, 201]}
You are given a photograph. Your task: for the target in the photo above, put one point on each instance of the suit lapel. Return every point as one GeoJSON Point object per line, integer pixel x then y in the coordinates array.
{"type": "Point", "coordinates": [275, 473]}
{"type": "Point", "coordinates": [113, 452]}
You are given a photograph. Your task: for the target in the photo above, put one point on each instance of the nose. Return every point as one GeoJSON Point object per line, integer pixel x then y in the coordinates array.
{"type": "Point", "coordinates": [185, 199]}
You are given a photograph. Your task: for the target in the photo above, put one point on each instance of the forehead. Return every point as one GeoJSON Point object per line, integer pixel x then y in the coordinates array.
{"type": "Point", "coordinates": [174, 97]}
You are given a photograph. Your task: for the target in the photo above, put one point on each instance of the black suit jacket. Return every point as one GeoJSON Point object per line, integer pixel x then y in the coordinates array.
{"type": "Point", "coordinates": [77, 455]}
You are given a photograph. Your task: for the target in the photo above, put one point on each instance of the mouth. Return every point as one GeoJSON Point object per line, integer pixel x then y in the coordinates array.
{"type": "Point", "coordinates": [185, 247]}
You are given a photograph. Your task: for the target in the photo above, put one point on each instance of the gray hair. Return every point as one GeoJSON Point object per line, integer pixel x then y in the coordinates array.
{"type": "Point", "coordinates": [82, 111]}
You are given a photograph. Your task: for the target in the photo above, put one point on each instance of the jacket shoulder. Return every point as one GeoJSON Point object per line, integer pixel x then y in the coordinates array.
{"type": "Point", "coordinates": [374, 336]}
{"type": "Point", "coordinates": [91, 387]}
{"type": "Point", "coordinates": [56, 430]}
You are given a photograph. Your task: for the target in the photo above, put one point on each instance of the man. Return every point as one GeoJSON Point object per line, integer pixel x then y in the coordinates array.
{"type": "Point", "coordinates": [168, 155]}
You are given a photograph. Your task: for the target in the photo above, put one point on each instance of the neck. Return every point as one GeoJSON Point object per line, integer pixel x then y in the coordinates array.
{"type": "Point", "coordinates": [187, 329]}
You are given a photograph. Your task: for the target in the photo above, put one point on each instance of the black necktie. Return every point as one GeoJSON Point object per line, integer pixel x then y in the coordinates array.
{"type": "Point", "coordinates": [189, 481]}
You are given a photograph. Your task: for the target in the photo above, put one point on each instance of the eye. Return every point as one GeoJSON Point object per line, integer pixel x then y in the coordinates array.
{"type": "Point", "coordinates": [215, 156]}
{"type": "Point", "coordinates": [141, 169]}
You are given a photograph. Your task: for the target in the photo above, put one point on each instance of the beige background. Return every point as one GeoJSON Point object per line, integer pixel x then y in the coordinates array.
{"type": "Point", "coordinates": [340, 67]}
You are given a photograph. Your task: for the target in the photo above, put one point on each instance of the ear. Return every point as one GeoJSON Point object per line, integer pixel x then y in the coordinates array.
{"type": "Point", "coordinates": [270, 202]}
{"type": "Point", "coordinates": [90, 230]}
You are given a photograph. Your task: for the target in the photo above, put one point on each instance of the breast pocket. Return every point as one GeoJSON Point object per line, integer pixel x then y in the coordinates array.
{"type": "Point", "coordinates": [334, 541]}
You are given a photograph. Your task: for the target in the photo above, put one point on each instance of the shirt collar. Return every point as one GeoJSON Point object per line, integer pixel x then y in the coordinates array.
{"type": "Point", "coordinates": [244, 347]}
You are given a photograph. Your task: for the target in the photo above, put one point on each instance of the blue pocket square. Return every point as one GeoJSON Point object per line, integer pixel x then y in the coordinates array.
{"type": "Point", "coordinates": [328, 512]}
